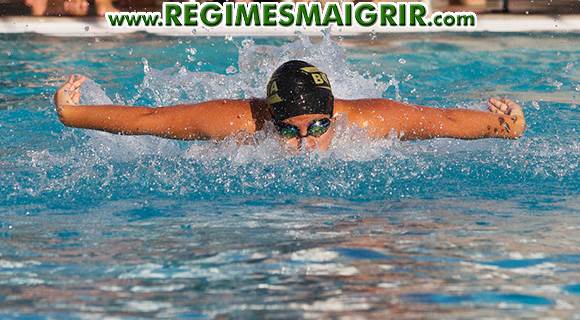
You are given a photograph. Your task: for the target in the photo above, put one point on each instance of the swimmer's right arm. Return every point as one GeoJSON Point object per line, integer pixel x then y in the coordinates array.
{"type": "Point", "coordinates": [207, 120]}
{"type": "Point", "coordinates": [505, 119]}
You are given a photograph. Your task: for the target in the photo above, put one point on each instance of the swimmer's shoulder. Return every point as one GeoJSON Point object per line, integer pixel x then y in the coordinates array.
{"type": "Point", "coordinates": [235, 115]}
{"type": "Point", "coordinates": [355, 108]}
{"type": "Point", "coordinates": [358, 105]}
{"type": "Point", "coordinates": [255, 110]}
{"type": "Point", "coordinates": [261, 112]}
{"type": "Point", "coordinates": [361, 106]}
{"type": "Point", "coordinates": [368, 112]}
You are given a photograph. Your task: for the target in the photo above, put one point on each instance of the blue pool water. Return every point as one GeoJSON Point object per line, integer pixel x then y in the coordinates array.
{"type": "Point", "coordinates": [95, 225]}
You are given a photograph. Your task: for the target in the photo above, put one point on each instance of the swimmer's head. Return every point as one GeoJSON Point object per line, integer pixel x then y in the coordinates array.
{"type": "Point", "coordinates": [297, 88]}
{"type": "Point", "coordinates": [302, 105]}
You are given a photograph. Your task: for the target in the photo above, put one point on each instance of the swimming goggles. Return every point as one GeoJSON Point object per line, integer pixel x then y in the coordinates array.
{"type": "Point", "coordinates": [316, 128]}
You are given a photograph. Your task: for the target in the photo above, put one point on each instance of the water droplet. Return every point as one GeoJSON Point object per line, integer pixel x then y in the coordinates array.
{"type": "Point", "coordinates": [247, 43]}
{"type": "Point", "coordinates": [146, 68]}
{"type": "Point", "coordinates": [231, 70]}
{"type": "Point", "coordinates": [555, 83]}
{"type": "Point", "coordinates": [191, 54]}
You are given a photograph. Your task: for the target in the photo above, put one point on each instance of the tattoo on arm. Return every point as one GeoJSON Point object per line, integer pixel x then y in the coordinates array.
{"type": "Point", "coordinates": [504, 124]}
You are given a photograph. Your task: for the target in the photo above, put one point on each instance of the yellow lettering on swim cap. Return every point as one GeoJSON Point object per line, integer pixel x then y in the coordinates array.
{"type": "Point", "coordinates": [273, 88]}
{"type": "Point", "coordinates": [310, 69]}
{"type": "Point", "coordinates": [275, 98]}
{"type": "Point", "coordinates": [317, 78]}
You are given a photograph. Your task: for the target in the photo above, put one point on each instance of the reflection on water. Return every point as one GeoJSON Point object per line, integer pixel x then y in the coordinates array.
{"type": "Point", "coordinates": [403, 259]}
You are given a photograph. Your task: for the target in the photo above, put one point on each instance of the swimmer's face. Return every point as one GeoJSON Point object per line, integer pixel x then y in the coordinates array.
{"type": "Point", "coordinates": [318, 137]}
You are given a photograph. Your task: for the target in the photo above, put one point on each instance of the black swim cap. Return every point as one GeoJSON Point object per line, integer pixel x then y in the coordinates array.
{"type": "Point", "coordinates": [298, 88]}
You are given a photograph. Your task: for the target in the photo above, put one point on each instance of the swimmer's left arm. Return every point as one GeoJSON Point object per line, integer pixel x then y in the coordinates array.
{"type": "Point", "coordinates": [505, 119]}
{"type": "Point", "coordinates": [216, 119]}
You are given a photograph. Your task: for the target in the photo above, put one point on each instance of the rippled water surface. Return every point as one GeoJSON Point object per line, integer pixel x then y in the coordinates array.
{"type": "Point", "coordinates": [94, 225]}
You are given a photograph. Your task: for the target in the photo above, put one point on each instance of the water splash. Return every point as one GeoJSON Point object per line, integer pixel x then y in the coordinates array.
{"type": "Point", "coordinates": [256, 62]}
{"type": "Point", "coordinates": [101, 165]}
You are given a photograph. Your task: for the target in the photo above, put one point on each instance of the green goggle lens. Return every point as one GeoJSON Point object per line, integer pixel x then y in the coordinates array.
{"type": "Point", "coordinates": [315, 129]}
{"type": "Point", "coordinates": [318, 127]}
{"type": "Point", "coordinates": [288, 131]}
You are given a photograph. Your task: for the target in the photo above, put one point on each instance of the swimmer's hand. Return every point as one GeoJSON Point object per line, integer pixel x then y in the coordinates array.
{"type": "Point", "coordinates": [513, 110]}
{"type": "Point", "coordinates": [69, 94]}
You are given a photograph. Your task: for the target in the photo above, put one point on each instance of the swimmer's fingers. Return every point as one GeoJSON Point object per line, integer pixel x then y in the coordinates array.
{"type": "Point", "coordinates": [78, 81]}
{"type": "Point", "coordinates": [68, 86]}
{"type": "Point", "coordinates": [69, 93]}
{"type": "Point", "coordinates": [69, 81]}
{"type": "Point", "coordinates": [76, 96]}
{"type": "Point", "coordinates": [514, 109]}
{"type": "Point", "coordinates": [492, 108]}
{"type": "Point", "coordinates": [75, 89]}
{"type": "Point", "coordinates": [497, 106]}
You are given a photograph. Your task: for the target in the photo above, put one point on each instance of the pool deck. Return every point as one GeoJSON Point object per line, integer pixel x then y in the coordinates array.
{"type": "Point", "coordinates": [90, 27]}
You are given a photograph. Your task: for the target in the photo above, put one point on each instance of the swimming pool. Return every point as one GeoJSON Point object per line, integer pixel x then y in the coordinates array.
{"type": "Point", "coordinates": [93, 224]}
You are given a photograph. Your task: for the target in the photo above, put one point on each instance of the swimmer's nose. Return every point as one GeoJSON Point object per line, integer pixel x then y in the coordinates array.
{"type": "Point", "coordinates": [304, 144]}
{"type": "Point", "coordinates": [308, 143]}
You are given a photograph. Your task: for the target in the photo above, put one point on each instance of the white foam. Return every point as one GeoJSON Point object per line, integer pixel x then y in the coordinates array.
{"type": "Point", "coordinates": [177, 85]}
{"type": "Point", "coordinates": [186, 168]}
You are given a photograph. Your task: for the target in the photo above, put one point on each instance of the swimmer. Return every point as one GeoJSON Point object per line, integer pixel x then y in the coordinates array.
{"type": "Point", "coordinates": [301, 106]}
